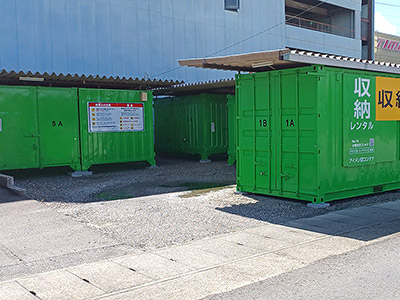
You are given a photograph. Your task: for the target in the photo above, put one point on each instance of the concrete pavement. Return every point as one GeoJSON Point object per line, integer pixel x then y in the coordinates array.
{"type": "Point", "coordinates": [371, 272]}
{"type": "Point", "coordinates": [34, 238]}
{"type": "Point", "coordinates": [214, 265]}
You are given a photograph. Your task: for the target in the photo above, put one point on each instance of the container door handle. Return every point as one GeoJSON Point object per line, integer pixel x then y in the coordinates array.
{"type": "Point", "coordinates": [32, 135]}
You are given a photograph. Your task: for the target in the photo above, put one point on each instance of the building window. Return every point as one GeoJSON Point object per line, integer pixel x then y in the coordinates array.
{"type": "Point", "coordinates": [232, 5]}
{"type": "Point", "coordinates": [326, 17]}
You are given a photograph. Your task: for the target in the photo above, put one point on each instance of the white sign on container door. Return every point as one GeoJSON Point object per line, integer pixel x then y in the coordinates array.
{"type": "Point", "coordinates": [115, 117]}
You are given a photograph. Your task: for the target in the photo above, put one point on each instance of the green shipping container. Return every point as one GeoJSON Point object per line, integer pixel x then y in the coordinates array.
{"type": "Point", "coordinates": [194, 124]}
{"type": "Point", "coordinates": [48, 127]}
{"type": "Point", "coordinates": [116, 126]}
{"type": "Point", "coordinates": [312, 133]}
{"type": "Point", "coordinates": [38, 127]}
{"type": "Point", "coordinates": [231, 129]}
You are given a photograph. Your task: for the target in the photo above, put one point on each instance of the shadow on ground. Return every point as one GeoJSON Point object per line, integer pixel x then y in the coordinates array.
{"type": "Point", "coordinates": [357, 218]}
{"type": "Point", "coordinates": [7, 196]}
{"type": "Point", "coordinates": [196, 188]}
{"type": "Point", "coordinates": [125, 180]}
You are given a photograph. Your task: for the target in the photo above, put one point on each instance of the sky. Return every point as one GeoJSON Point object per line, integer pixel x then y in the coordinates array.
{"type": "Point", "coordinates": [387, 16]}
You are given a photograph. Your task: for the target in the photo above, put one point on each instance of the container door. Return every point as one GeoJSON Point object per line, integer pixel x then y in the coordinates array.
{"type": "Point", "coordinates": [287, 139]}
{"type": "Point", "coordinates": [262, 138]}
{"type": "Point", "coordinates": [254, 128]}
{"type": "Point", "coordinates": [58, 127]}
{"type": "Point", "coordinates": [18, 128]}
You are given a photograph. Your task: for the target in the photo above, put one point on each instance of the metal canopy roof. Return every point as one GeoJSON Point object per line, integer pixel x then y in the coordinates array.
{"type": "Point", "coordinates": [286, 58]}
{"type": "Point", "coordinates": [74, 80]}
{"type": "Point", "coordinates": [224, 86]}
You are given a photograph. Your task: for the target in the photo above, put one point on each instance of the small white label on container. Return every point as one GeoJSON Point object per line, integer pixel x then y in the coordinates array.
{"type": "Point", "coordinates": [143, 97]}
{"type": "Point", "coordinates": [212, 127]}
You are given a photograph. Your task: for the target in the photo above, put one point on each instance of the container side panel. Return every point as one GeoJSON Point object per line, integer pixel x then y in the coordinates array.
{"type": "Point", "coordinates": [192, 117]}
{"type": "Point", "coordinates": [58, 127]}
{"type": "Point", "coordinates": [216, 128]}
{"type": "Point", "coordinates": [163, 111]}
{"type": "Point", "coordinates": [262, 119]}
{"type": "Point", "coordinates": [366, 141]}
{"type": "Point", "coordinates": [275, 96]}
{"type": "Point", "coordinates": [307, 135]}
{"type": "Point", "coordinates": [231, 129]}
{"type": "Point", "coordinates": [18, 128]}
{"type": "Point", "coordinates": [245, 153]}
{"type": "Point", "coordinates": [289, 133]}
{"type": "Point", "coordinates": [361, 153]}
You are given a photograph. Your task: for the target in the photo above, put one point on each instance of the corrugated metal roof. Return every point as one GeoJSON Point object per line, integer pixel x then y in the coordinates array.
{"type": "Point", "coordinates": [251, 62]}
{"type": "Point", "coordinates": [223, 86]}
{"type": "Point", "coordinates": [74, 80]}
{"type": "Point", "coordinates": [286, 58]}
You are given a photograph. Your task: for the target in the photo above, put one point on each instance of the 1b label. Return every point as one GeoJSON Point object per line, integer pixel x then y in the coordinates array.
{"type": "Point", "coordinates": [263, 123]}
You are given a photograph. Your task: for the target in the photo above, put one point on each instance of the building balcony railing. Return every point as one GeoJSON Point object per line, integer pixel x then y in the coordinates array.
{"type": "Point", "coordinates": [319, 26]}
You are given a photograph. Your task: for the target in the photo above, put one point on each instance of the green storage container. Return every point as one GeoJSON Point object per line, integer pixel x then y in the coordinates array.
{"type": "Point", "coordinates": [163, 116]}
{"type": "Point", "coordinates": [105, 140]}
{"type": "Point", "coordinates": [194, 124]}
{"type": "Point", "coordinates": [38, 127]}
{"type": "Point", "coordinates": [231, 129]}
{"type": "Point", "coordinates": [311, 133]}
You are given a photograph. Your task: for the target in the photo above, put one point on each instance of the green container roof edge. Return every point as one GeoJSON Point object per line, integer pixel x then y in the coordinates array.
{"type": "Point", "coordinates": [193, 96]}
{"type": "Point", "coordinates": [314, 68]}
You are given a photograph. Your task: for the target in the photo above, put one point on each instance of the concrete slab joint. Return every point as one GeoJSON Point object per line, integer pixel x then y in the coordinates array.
{"type": "Point", "coordinates": [8, 182]}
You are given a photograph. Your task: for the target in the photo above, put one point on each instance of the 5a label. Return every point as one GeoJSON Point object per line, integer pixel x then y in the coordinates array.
{"type": "Point", "coordinates": [57, 123]}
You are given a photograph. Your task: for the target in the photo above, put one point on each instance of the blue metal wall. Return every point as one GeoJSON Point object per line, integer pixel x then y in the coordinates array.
{"type": "Point", "coordinates": [133, 38]}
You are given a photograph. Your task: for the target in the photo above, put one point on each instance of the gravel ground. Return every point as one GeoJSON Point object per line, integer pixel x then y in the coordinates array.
{"type": "Point", "coordinates": [160, 210]}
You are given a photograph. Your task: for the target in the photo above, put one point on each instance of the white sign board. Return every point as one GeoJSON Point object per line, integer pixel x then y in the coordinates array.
{"type": "Point", "coordinates": [115, 117]}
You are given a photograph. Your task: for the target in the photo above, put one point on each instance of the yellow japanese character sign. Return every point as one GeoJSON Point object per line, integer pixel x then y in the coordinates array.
{"type": "Point", "coordinates": [387, 99]}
